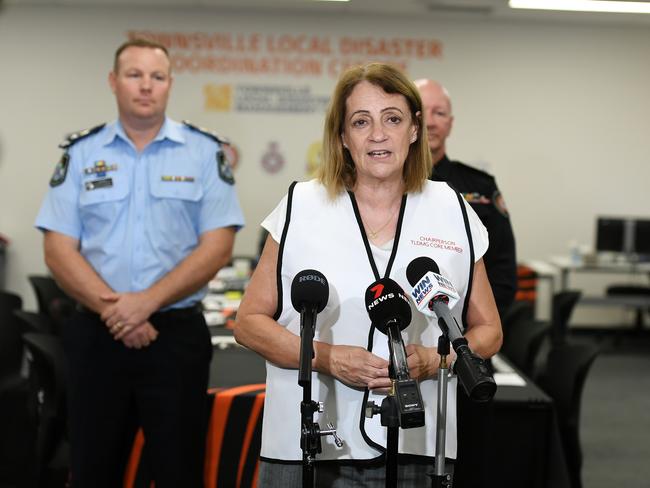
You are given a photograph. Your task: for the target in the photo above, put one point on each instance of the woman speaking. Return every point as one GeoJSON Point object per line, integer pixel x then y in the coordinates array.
{"type": "Point", "coordinates": [370, 212]}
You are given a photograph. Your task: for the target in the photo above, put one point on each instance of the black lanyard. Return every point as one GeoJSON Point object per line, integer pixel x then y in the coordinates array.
{"type": "Point", "coordinates": [366, 242]}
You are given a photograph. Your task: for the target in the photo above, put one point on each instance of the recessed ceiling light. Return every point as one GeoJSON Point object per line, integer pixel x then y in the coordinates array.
{"type": "Point", "coordinates": [584, 6]}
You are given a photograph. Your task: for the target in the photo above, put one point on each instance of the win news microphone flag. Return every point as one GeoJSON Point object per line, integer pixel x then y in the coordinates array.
{"type": "Point", "coordinates": [434, 295]}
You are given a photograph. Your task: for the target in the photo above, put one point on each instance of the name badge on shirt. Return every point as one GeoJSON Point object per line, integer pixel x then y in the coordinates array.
{"type": "Point", "coordinates": [177, 179]}
{"type": "Point", "coordinates": [96, 184]}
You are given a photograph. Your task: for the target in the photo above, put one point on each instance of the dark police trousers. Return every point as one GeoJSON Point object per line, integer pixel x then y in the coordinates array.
{"type": "Point", "coordinates": [113, 389]}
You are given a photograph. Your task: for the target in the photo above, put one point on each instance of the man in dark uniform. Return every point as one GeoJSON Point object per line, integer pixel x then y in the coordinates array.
{"type": "Point", "coordinates": [480, 190]}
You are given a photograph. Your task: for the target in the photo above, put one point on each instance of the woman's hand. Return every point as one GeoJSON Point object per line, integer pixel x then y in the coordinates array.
{"type": "Point", "coordinates": [422, 361]}
{"type": "Point", "coordinates": [358, 368]}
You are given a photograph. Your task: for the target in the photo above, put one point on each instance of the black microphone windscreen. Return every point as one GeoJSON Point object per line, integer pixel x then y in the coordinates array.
{"type": "Point", "coordinates": [419, 267]}
{"type": "Point", "coordinates": [385, 301]}
{"type": "Point", "coordinates": [309, 288]}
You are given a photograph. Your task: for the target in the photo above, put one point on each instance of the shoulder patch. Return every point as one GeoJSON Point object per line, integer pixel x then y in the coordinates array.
{"type": "Point", "coordinates": [77, 136]}
{"type": "Point", "coordinates": [223, 166]}
{"type": "Point", "coordinates": [500, 204]}
{"type": "Point", "coordinates": [60, 170]}
{"type": "Point", "coordinates": [211, 134]}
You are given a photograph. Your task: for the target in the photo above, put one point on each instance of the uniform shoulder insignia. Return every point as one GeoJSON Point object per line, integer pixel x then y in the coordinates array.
{"type": "Point", "coordinates": [224, 168]}
{"type": "Point", "coordinates": [60, 170]}
{"type": "Point", "coordinates": [223, 165]}
{"type": "Point", "coordinates": [77, 136]}
{"type": "Point", "coordinates": [209, 133]}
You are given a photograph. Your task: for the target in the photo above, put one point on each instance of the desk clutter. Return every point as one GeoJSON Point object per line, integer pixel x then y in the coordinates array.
{"type": "Point", "coordinates": [225, 292]}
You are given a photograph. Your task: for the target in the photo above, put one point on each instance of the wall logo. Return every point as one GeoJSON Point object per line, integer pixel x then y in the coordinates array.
{"type": "Point", "coordinates": [272, 161]}
{"type": "Point", "coordinates": [217, 98]}
{"type": "Point", "coordinates": [232, 155]}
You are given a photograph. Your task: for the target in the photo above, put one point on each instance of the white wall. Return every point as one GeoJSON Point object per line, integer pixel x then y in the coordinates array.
{"type": "Point", "coordinates": [558, 112]}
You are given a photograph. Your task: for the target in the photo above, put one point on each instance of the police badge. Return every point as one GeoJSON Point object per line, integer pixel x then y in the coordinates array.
{"type": "Point", "coordinates": [225, 171]}
{"type": "Point", "coordinates": [60, 171]}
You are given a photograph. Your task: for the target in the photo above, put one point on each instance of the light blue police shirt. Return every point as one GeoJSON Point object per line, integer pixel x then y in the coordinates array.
{"type": "Point", "coordinates": [137, 215]}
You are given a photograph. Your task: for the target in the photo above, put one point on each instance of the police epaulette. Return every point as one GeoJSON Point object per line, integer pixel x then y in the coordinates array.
{"type": "Point", "coordinates": [77, 136]}
{"type": "Point", "coordinates": [209, 133]}
{"type": "Point", "coordinates": [476, 171]}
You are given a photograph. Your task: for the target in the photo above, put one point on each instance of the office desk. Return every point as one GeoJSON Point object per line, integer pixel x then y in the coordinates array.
{"type": "Point", "coordinates": [527, 446]}
{"type": "Point", "coordinates": [567, 267]}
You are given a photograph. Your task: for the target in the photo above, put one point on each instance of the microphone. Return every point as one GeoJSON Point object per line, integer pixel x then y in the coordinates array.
{"type": "Point", "coordinates": [309, 296]}
{"type": "Point", "coordinates": [390, 312]}
{"type": "Point", "coordinates": [434, 295]}
{"type": "Point", "coordinates": [424, 275]}
{"type": "Point", "coordinates": [386, 303]}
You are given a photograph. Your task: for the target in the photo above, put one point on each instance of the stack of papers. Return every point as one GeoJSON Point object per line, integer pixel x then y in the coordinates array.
{"type": "Point", "coordinates": [504, 374]}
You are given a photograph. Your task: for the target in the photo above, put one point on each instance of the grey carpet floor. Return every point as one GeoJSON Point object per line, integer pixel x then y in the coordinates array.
{"type": "Point", "coordinates": [615, 417]}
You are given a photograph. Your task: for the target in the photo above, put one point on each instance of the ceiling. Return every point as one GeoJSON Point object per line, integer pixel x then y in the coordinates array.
{"type": "Point", "coordinates": [465, 9]}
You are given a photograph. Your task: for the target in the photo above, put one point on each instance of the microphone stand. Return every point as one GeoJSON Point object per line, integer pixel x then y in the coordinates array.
{"type": "Point", "coordinates": [473, 374]}
{"type": "Point", "coordinates": [442, 478]}
{"type": "Point", "coordinates": [310, 432]}
{"type": "Point", "coordinates": [402, 406]}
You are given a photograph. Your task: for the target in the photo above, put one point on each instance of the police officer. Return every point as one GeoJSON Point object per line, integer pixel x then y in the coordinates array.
{"type": "Point", "coordinates": [141, 213]}
{"type": "Point", "coordinates": [480, 190]}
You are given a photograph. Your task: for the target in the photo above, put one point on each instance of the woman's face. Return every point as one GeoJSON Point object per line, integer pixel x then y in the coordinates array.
{"type": "Point", "coordinates": [378, 130]}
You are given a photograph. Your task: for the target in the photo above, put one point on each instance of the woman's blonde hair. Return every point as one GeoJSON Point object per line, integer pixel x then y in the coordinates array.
{"type": "Point", "coordinates": [337, 171]}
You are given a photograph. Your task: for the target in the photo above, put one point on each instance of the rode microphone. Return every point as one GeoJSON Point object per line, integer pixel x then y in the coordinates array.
{"type": "Point", "coordinates": [309, 289]}
{"type": "Point", "coordinates": [390, 312]}
{"type": "Point", "coordinates": [434, 295]}
{"type": "Point", "coordinates": [309, 296]}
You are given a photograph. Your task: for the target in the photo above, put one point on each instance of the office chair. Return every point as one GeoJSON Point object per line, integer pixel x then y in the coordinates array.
{"type": "Point", "coordinates": [52, 300]}
{"type": "Point", "coordinates": [46, 371]}
{"type": "Point", "coordinates": [10, 341]}
{"type": "Point", "coordinates": [233, 440]}
{"type": "Point", "coordinates": [519, 311]}
{"type": "Point", "coordinates": [33, 322]}
{"type": "Point", "coordinates": [631, 290]}
{"type": "Point", "coordinates": [564, 380]}
{"type": "Point", "coordinates": [17, 425]}
{"type": "Point", "coordinates": [10, 301]}
{"type": "Point", "coordinates": [526, 284]}
{"type": "Point", "coordinates": [563, 304]}
{"type": "Point", "coordinates": [523, 342]}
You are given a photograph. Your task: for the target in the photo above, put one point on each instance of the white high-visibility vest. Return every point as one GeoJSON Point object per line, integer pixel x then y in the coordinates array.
{"type": "Point", "coordinates": [316, 232]}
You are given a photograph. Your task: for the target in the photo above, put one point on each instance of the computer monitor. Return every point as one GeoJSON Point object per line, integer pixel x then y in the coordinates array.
{"type": "Point", "coordinates": [610, 234]}
{"type": "Point", "coordinates": [642, 237]}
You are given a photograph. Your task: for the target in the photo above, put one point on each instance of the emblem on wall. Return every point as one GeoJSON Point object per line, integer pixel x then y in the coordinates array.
{"type": "Point", "coordinates": [217, 98]}
{"type": "Point", "coordinates": [231, 152]}
{"type": "Point", "coordinates": [272, 161]}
